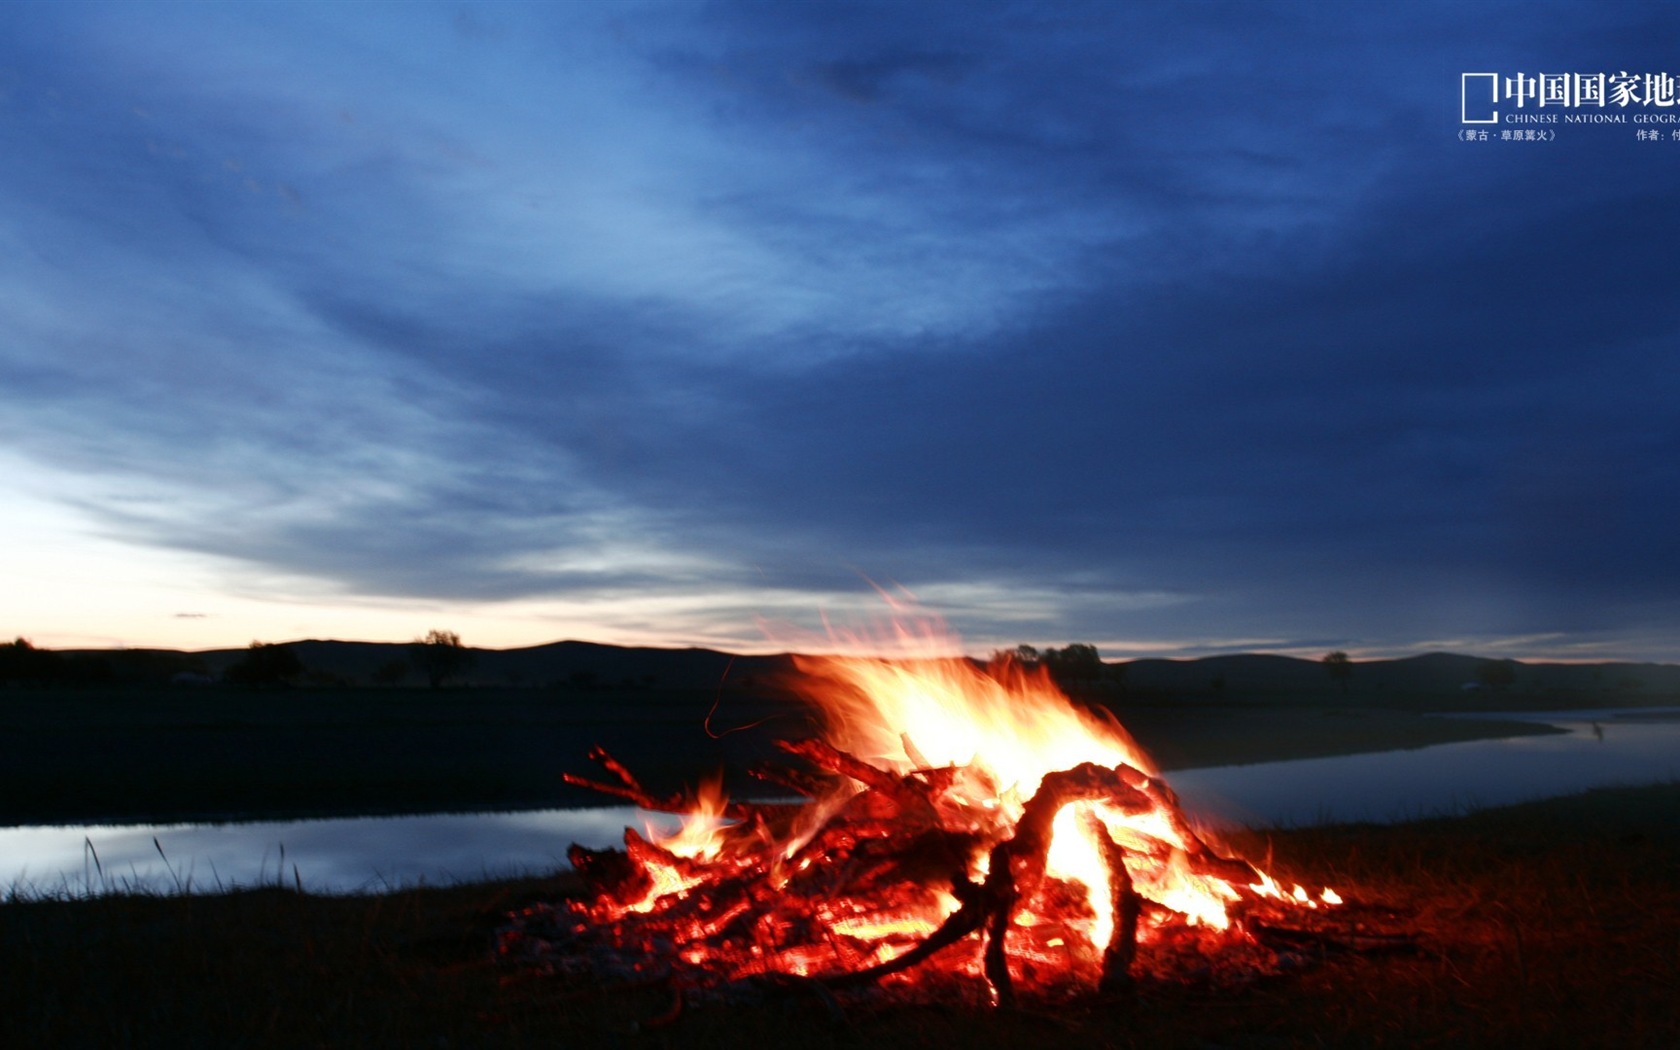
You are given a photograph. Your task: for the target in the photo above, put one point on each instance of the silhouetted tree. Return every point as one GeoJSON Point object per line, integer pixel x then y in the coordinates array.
{"type": "Point", "coordinates": [1077, 662]}
{"type": "Point", "coordinates": [1339, 666]}
{"type": "Point", "coordinates": [23, 664]}
{"type": "Point", "coordinates": [440, 656]}
{"type": "Point", "coordinates": [265, 664]}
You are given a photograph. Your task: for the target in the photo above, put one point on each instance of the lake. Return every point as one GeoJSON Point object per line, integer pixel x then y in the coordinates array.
{"type": "Point", "coordinates": [374, 854]}
{"type": "Point", "coordinates": [1599, 748]}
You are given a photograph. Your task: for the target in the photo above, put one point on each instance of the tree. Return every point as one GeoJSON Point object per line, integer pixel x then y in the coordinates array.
{"type": "Point", "coordinates": [1339, 667]}
{"type": "Point", "coordinates": [440, 656]}
{"type": "Point", "coordinates": [263, 665]}
{"type": "Point", "coordinates": [1076, 662]}
{"type": "Point", "coordinates": [22, 663]}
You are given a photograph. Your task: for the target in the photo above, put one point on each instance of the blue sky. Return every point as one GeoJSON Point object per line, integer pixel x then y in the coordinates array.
{"type": "Point", "coordinates": [1172, 328]}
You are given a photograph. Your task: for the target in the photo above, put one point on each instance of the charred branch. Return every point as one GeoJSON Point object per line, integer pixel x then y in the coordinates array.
{"type": "Point", "coordinates": [835, 760]}
{"type": "Point", "coordinates": [627, 787]}
{"type": "Point", "coordinates": [977, 908]}
{"type": "Point", "coordinates": [794, 780]}
{"type": "Point", "coordinates": [1122, 943]}
{"type": "Point", "coordinates": [759, 911]}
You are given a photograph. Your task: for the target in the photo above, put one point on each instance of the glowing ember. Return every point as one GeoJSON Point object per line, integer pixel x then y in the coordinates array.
{"type": "Point", "coordinates": [966, 824]}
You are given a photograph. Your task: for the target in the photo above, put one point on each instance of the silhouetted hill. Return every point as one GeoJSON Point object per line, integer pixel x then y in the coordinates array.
{"type": "Point", "coordinates": [1240, 674]}
{"type": "Point", "coordinates": [1431, 679]}
{"type": "Point", "coordinates": [582, 664]}
{"type": "Point", "coordinates": [565, 662]}
{"type": "Point", "coordinates": [1437, 677]}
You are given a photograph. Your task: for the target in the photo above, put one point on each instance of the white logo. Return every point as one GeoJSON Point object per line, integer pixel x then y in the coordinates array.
{"type": "Point", "coordinates": [1478, 96]}
{"type": "Point", "coordinates": [1608, 94]}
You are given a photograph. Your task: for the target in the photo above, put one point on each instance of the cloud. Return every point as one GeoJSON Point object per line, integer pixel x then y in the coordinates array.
{"type": "Point", "coordinates": [1198, 326]}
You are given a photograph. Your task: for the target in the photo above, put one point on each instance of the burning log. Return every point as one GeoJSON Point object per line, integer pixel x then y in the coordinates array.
{"type": "Point", "coordinates": [1122, 944]}
{"type": "Point", "coordinates": [915, 867]}
{"type": "Point", "coordinates": [886, 846]}
{"type": "Point", "coordinates": [1018, 865]}
{"type": "Point", "coordinates": [627, 787]}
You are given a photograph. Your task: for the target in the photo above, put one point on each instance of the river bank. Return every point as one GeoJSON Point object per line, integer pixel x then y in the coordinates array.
{"type": "Point", "coordinates": [1546, 924]}
{"type": "Point", "coordinates": [157, 756]}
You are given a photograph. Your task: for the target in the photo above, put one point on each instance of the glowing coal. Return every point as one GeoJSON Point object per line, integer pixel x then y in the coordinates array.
{"type": "Point", "coordinates": [969, 830]}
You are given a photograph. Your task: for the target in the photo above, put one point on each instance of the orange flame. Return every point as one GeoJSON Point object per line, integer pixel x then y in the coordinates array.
{"type": "Point", "coordinates": [992, 733]}
{"type": "Point", "coordinates": [1006, 726]}
{"type": "Point", "coordinates": [701, 834]}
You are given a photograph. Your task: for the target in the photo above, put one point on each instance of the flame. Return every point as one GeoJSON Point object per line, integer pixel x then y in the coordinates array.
{"type": "Point", "coordinates": [1009, 721]}
{"type": "Point", "coordinates": [664, 881]}
{"type": "Point", "coordinates": [701, 834]}
{"type": "Point", "coordinates": [1076, 855]}
{"type": "Point", "coordinates": [977, 742]}
{"type": "Point", "coordinates": [1005, 726]}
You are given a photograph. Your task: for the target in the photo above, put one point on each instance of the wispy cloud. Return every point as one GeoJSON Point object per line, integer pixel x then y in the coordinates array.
{"type": "Point", "coordinates": [1172, 326]}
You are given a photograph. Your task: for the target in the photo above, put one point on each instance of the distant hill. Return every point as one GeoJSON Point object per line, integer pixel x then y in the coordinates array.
{"type": "Point", "coordinates": [584, 664]}
{"type": "Point", "coordinates": [1432, 675]}
{"type": "Point", "coordinates": [1432, 679]}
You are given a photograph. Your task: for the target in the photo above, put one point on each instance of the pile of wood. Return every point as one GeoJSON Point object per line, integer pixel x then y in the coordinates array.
{"type": "Point", "coordinates": [843, 894]}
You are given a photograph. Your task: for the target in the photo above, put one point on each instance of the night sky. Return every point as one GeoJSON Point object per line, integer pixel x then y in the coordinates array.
{"type": "Point", "coordinates": [1171, 328]}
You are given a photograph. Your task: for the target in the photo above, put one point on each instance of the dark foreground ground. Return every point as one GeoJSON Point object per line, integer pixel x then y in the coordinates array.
{"type": "Point", "coordinates": [1548, 924]}
{"type": "Point", "coordinates": [133, 755]}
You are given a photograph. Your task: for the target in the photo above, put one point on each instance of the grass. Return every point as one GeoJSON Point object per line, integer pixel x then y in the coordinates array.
{"type": "Point", "coordinates": [1549, 924]}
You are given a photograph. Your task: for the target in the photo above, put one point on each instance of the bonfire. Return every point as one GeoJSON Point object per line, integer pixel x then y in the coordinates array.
{"type": "Point", "coordinates": [965, 831]}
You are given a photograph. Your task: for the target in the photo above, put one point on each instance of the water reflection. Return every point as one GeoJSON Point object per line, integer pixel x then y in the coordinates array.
{"type": "Point", "coordinates": [373, 854]}
{"type": "Point", "coordinates": [355, 855]}
{"type": "Point", "coordinates": [1599, 748]}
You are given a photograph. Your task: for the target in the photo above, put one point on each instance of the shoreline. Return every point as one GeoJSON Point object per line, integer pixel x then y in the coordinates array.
{"type": "Point", "coordinates": [1176, 739]}
{"type": "Point", "coordinates": [1539, 924]}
